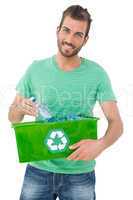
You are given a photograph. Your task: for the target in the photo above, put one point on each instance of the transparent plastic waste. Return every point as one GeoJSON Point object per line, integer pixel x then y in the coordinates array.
{"type": "Point", "coordinates": [43, 110]}
{"type": "Point", "coordinates": [46, 115]}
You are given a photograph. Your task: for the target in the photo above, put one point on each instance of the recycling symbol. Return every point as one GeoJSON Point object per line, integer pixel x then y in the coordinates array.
{"type": "Point", "coordinates": [57, 141]}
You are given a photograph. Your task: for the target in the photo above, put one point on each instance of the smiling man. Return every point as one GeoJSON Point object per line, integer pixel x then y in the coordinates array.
{"type": "Point", "coordinates": [68, 84]}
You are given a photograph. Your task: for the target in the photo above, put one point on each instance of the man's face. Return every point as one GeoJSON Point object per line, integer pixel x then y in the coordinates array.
{"type": "Point", "coordinates": [71, 36]}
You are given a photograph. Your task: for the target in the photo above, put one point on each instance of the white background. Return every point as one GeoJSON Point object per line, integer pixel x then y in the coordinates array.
{"type": "Point", "coordinates": [28, 32]}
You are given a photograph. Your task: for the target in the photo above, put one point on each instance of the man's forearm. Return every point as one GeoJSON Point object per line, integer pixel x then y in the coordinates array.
{"type": "Point", "coordinates": [114, 131]}
{"type": "Point", "coordinates": [15, 115]}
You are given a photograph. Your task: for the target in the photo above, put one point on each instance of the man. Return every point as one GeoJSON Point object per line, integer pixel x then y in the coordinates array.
{"type": "Point", "coordinates": [68, 84]}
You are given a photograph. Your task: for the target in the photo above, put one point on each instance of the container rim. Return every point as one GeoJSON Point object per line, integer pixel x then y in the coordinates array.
{"type": "Point", "coordinates": [31, 123]}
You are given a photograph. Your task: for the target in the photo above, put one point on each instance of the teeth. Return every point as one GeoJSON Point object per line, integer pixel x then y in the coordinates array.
{"type": "Point", "coordinates": [68, 46]}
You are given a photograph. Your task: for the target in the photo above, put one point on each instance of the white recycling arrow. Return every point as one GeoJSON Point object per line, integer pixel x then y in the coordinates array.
{"type": "Point", "coordinates": [57, 134]}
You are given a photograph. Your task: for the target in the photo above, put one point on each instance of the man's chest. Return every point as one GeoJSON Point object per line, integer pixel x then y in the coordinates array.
{"type": "Point", "coordinates": [75, 90]}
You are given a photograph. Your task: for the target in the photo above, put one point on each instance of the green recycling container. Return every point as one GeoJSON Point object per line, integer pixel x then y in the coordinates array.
{"type": "Point", "coordinates": [49, 140]}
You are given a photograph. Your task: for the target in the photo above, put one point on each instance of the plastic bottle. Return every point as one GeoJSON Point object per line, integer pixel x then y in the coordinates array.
{"type": "Point", "coordinates": [43, 110]}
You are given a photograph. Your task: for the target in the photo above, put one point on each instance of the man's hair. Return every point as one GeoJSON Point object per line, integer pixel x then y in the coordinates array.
{"type": "Point", "coordinates": [78, 13]}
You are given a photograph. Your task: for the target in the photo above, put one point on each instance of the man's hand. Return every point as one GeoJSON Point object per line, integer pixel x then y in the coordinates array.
{"type": "Point", "coordinates": [90, 149]}
{"type": "Point", "coordinates": [26, 107]}
{"type": "Point", "coordinates": [86, 149]}
{"type": "Point", "coordinates": [20, 107]}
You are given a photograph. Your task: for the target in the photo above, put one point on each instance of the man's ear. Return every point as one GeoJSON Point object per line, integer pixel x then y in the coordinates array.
{"type": "Point", "coordinates": [86, 39]}
{"type": "Point", "coordinates": [57, 30]}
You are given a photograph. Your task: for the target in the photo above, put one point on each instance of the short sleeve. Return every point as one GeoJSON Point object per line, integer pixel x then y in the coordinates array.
{"type": "Point", "coordinates": [24, 86]}
{"type": "Point", "coordinates": [104, 90]}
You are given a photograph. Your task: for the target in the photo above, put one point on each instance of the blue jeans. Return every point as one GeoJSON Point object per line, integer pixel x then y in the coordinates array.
{"type": "Point", "coordinates": [43, 185]}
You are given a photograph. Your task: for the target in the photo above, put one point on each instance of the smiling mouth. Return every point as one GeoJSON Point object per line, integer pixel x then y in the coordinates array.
{"type": "Point", "coordinates": [68, 46]}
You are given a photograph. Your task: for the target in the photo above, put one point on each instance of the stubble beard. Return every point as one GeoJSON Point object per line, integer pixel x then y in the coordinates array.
{"type": "Point", "coordinates": [68, 55]}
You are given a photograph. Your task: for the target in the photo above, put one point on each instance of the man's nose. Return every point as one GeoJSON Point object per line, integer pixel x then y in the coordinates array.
{"type": "Point", "coordinates": [70, 39]}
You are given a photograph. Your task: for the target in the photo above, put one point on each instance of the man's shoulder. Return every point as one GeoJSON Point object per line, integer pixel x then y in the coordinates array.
{"type": "Point", "coordinates": [39, 63]}
{"type": "Point", "coordinates": [95, 66]}
{"type": "Point", "coordinates": [42, 61]}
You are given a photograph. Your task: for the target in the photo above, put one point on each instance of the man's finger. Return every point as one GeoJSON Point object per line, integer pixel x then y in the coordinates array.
{"type": "Point", "coordinates": [29, 103]}
{"type": "Point", "coordinates": [29, 112]}
{"type": "Point", "coordinates": [81, 157]}
{"type": "Point", "coordinates": [76, 145]}
{"type": "Point", "coordinates": [74, 155]}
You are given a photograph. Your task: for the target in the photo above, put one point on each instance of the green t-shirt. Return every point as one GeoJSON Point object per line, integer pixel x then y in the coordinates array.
{"type": "Point", "coordinates": [66, 92]}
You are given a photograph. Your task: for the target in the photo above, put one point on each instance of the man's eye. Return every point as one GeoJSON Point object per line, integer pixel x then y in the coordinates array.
{"type": "Point", "coordinates": [65, 30]}
{"type": "Point", "coordinates": [79, 35]}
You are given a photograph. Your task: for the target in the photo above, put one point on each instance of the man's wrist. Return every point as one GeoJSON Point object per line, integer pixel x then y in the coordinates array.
{"type": "Point", "coordinates": [103, 143]}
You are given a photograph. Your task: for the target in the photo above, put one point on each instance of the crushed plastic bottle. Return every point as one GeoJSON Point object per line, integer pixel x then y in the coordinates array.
{"type": "Point", "coordinates": [73, 117]}
{"type": "Point", "coordinates": [68, 117]}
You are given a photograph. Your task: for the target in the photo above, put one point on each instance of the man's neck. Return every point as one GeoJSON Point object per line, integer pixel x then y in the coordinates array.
{"type": "Point", "coordinates": [67, 63]}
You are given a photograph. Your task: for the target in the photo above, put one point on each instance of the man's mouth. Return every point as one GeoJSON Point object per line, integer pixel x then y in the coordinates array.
{"type": "Point", "coordinates": [68, 46]}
